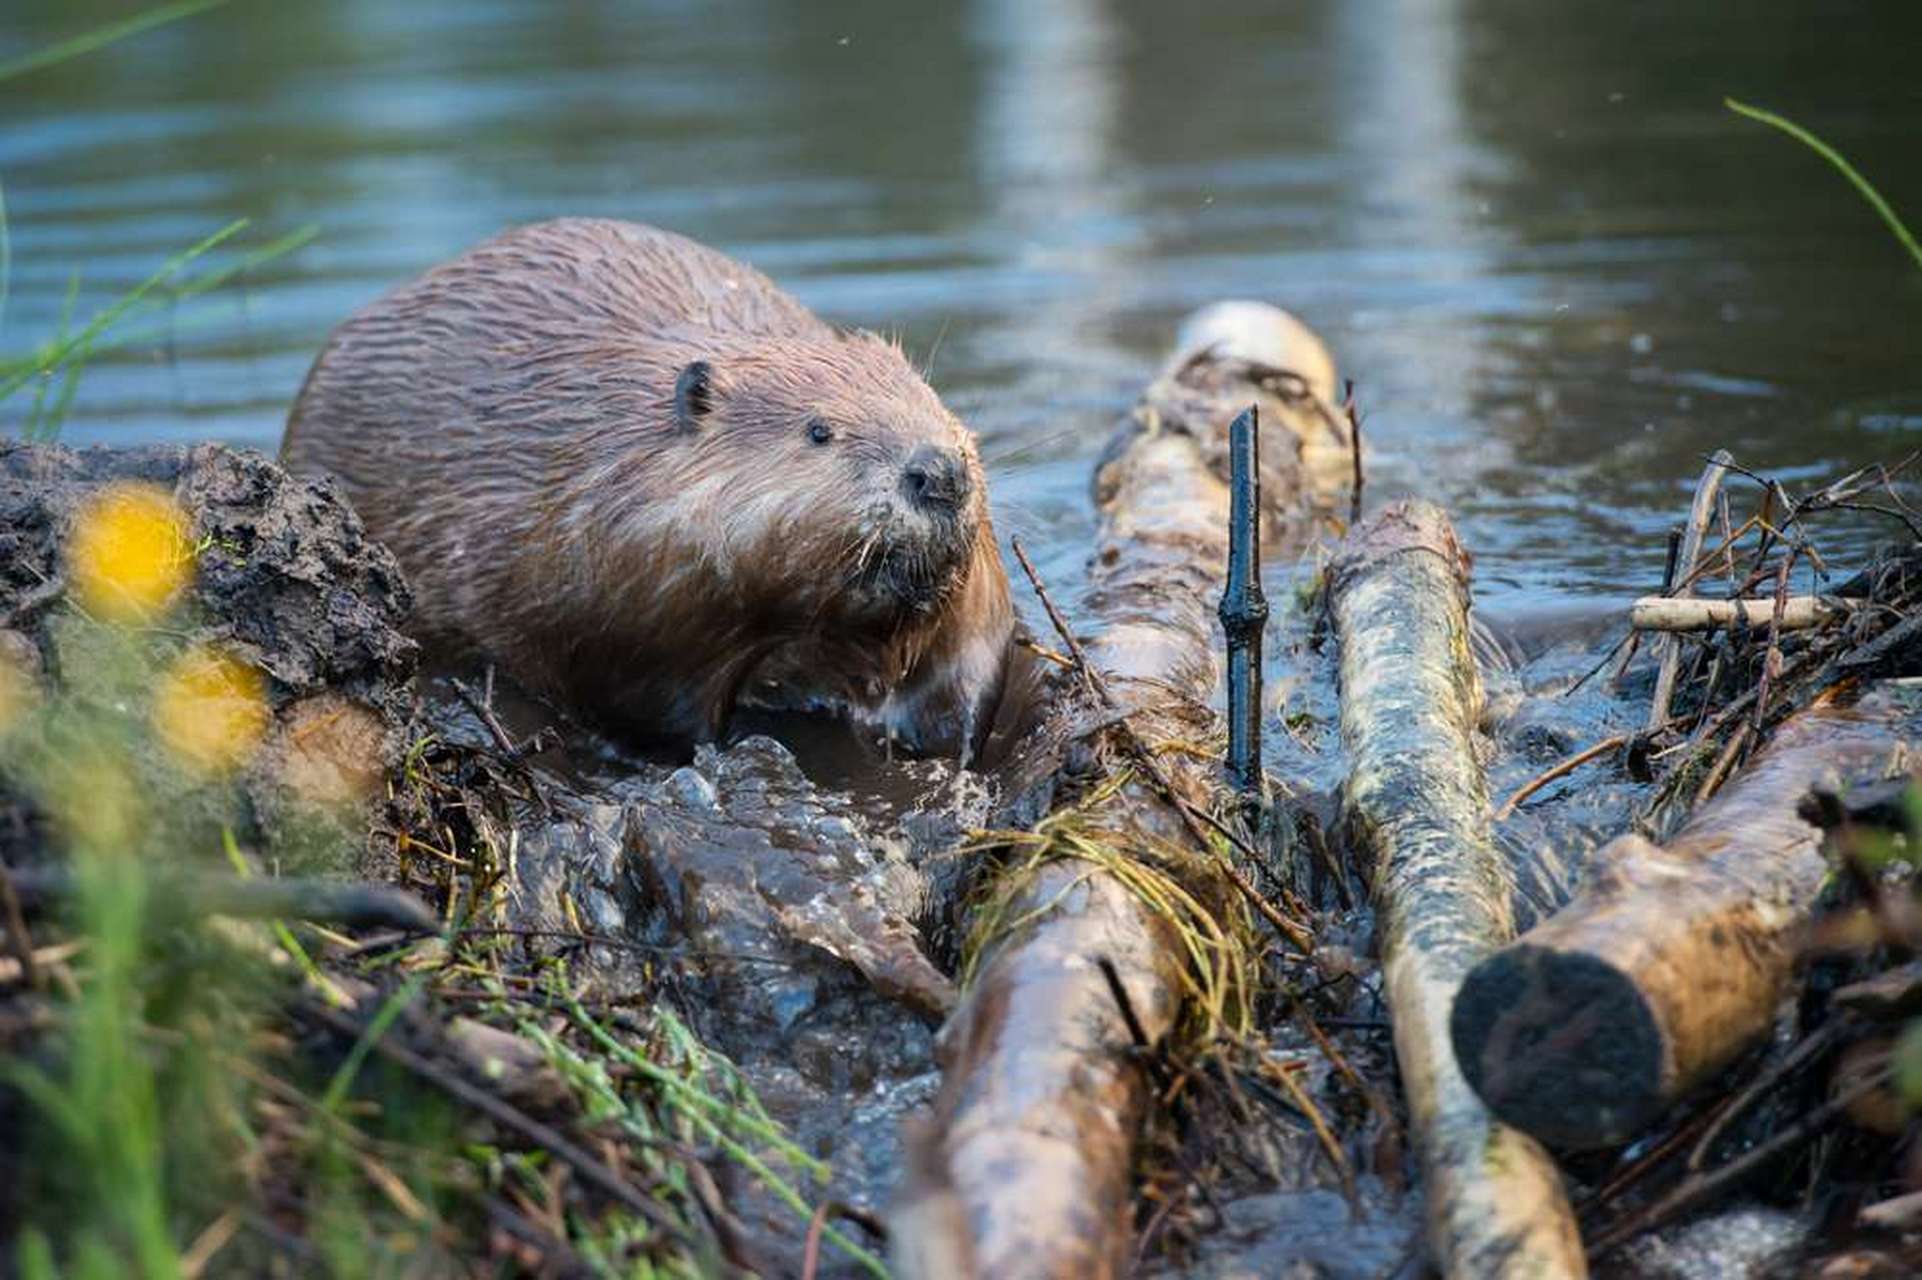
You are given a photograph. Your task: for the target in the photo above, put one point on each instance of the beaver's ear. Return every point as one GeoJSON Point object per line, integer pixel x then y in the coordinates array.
{"type": "Point", "coordinates": [693, 394]}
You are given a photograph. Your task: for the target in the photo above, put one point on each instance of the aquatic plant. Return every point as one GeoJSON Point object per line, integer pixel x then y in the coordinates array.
{"type": "Point", "coordinates": [1836, 161]}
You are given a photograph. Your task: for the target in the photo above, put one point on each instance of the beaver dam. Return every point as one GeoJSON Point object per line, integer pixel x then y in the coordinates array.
{"type": "Point", "coordinates": [1514, 952]}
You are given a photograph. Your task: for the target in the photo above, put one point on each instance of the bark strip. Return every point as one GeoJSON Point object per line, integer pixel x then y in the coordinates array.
{"type": "Point", "coordinates": [1416, 801]}
{"type": "Point", "coordinates": [1043, 1096]}
{"type": "Point", "coordinates": [1672, 959]}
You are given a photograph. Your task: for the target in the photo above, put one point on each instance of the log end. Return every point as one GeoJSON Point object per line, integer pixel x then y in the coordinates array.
{"type": "Point", "coordinates": [1259, 333]}
{"type": "Point", "coordinates": [1560, 1045]}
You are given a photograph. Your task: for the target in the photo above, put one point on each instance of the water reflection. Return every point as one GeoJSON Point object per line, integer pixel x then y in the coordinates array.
{"type": "Point", "coordinates": [1558, 268]}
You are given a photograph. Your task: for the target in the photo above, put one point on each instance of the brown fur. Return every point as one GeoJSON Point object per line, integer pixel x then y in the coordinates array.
{"type": "Point", "coordinates": [508, 425]}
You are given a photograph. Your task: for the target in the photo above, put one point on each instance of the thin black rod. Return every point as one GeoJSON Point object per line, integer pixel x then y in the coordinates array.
{"type": "Point", "coordinates": [1244, 609]}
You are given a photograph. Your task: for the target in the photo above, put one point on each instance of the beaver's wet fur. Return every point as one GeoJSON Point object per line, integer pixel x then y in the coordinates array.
{"type": "Point", "coordinates": [641, 477]}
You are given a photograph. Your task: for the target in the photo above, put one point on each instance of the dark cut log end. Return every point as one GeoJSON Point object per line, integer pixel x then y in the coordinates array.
{"type": "Point", "coordinates": [1587, 1078]}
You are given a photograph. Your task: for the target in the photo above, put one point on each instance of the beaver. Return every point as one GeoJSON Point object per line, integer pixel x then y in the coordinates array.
{"type": "Point", "coordinates": [647, 482]}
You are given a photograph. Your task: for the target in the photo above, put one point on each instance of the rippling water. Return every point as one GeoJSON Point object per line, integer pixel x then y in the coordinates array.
{"type": "Point", "coordinates": [1557, 268]}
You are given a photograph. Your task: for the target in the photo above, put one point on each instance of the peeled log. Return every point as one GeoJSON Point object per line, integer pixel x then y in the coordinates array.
{"type": "Point", "coordinates": [1417, 801]}
{"type": "Point", "coordinates": [1672, 959]}
{"type": "Point", "coordinates": [1673, 613]}
{"type": "Point", "coordinates": [1033, 1133]}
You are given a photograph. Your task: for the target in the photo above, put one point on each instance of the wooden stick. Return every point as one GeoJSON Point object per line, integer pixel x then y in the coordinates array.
{"type": "Point", "coordinates": [1354, 451]}
{"type": "Point", "coordinates": [1561, 770]}
{"type": "Point", "coordinates": [1668, 648]}
{"type": "Point", "coordinates": [1151, 763]}
{"type": "Point", "coordinates": [19, 939]}
{"type": "Point", "coordinates": [355, 903]}
{"type": "Point", "coordinates": [1417, 801]}
{"type": "Point", "coordinates": [1696, 1188]}
{"type": "Point", "coordinates": [1672, 959]}
{"type": "Point", "coordinates": [1667, 613]}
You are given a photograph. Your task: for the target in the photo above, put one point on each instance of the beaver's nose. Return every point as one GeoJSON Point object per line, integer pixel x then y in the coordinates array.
{"type": "Point", "coordinates": [936, 478]}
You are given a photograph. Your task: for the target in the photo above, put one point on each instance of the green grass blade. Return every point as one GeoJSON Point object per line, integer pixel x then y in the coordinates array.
{"type": "Point", "coordinates": [377, 1027]}
{"type": "Point", "coordinates": [252, 258]}
{"type": "Point", "coordinates": [101, 37]}
{"type": "Point", "coordinates": [35, 415]}
{"type": "Point", "coordinates": [59, 352]}
{"type": "Point", "coordinates": [1840, 165]}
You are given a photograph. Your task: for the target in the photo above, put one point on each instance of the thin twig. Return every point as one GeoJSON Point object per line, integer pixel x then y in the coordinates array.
{"type": "Point", "coordinates": [507, 1116]}
{"type": "Point", "coordinates": [1354, 452]}
{"type": "Point", "coordinates": [19, 940]}
{"type": "Point", "coordinates": [554, 1251]}
{"type": "Point", "coordinates": [1622, 1179]}
{"type": "Point", "coordinates": [1627, 641]}
{"type": "Point", "coordinates": [1337, 1060]}
{"type": "Point", "coordinates": [1772, 657]}
{"type": "Point", "coordinates": [1098, 685]}
{"type": "Point", "coordinates": [1123, 1002]}
{"type": "Point", "coordinates": [34, 599]}
{"type": "Point", "coordinates": [1724, 761]}
{"type": "Point", "coordinates": [485, 714]}
{"type": "Point", "coordinates": [1699, 1187]}
{"type": "Point", "coordinates": [1323, 1134]}
{"type": "Point", "coordinates": [811, 1250]}
{"type": "Point", "coordinates": [1566, 767]}
{"type": "Point", "coordinates": [355, 903]}
{"type": "Point", "coordinates": [1811, 1048]}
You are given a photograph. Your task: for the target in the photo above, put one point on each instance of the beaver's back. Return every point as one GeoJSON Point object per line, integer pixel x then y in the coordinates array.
{"type": "Point", "coordinates": [445, 406]}
{"type": "Point", "coordinates": [453, 342]}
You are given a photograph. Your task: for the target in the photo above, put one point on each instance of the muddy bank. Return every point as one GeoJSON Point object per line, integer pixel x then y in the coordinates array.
{"type": "Point", "coordinates": [779, 920]}
{"type": "Point", "coordinates": [282, 580]}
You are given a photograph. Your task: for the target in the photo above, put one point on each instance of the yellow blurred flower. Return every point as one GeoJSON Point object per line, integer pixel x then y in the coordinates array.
{"type": "Point", "coordinates": [129, 554]}
{"type": "Point", "coordinates": [210, 710]}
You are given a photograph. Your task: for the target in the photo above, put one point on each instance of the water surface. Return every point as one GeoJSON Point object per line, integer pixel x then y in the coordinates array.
{"type": "Point", "coordinates": [1558, 270]}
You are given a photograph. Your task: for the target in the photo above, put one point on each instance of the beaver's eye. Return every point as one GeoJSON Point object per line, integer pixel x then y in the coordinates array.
{"type": "Point", "coordinates": [820, 432]}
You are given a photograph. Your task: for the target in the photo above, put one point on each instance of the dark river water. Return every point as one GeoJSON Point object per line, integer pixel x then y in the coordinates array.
{"type": "Point", "coordinates": [1557, 268]}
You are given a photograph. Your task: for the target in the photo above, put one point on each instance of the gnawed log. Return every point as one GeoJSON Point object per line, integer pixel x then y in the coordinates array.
{"type": "Point", "coordinates": [1672, 959]}
{"type": "Point", "coordinates": [1417, 802]}
{"type": "Point", "coordinates": [1043, 1093]}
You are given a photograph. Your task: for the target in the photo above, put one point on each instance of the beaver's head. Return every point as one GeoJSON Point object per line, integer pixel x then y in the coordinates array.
{"type": "Point", "coordinates": [835, 487]}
